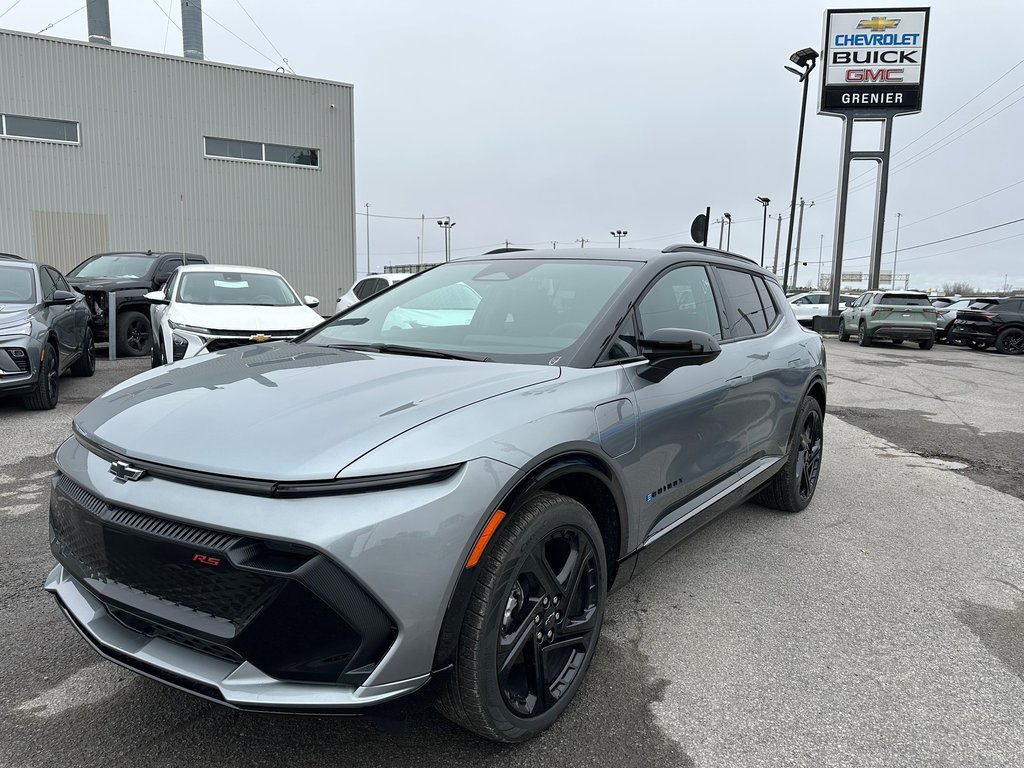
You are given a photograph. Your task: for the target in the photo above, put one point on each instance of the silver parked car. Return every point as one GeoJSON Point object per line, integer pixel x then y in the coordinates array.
{"type": "Point", "coordinates": [391, 505]}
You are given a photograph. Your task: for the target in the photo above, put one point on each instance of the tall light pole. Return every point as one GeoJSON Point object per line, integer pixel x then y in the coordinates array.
{"type": "Point", "coordinates": [446, 224]}
{"type": "Point", "coordinates": [367, 206]}
{"type": "Point", "coordinates": [896, 250]}
{"type": "Point", "coordinates": [764, 223]}
{"type": "Point", "coordinates": [618, 234]}
{"type": "Point", "coordinates": [806, 58]}
{"type": "Point", "coordinates": [775, 261]}
{"type": "Point", "coordinates": [728, 231]}
{"type": "Point", "coordinates": [821, 247]}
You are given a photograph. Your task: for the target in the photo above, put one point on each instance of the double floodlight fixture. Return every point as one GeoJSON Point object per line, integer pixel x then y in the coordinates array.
{"type": "Point", "coordinates": [806, 58]}
{"type": "Point", "coordinates": [763, 201]}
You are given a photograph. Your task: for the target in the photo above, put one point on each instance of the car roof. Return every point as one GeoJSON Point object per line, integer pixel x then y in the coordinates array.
{"type": "Point", "coordinates": [152, 254]}
{"type": "Point", "coordinates": [665, 256]}
{"type": "Point", "coordinates": [227, 268]}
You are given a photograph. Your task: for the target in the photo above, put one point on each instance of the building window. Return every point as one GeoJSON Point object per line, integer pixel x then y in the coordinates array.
{"type": "Point", "coordinates": [41, 128]}
{"type": "Point", "coordinates": [234, 149]}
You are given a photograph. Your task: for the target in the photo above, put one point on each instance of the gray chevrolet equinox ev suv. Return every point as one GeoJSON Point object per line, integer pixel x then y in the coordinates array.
{"type": "Point", "coordinates": [433, 492]}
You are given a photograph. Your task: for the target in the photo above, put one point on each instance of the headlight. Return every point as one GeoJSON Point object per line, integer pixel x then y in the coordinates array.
{"type": "Point", "coordinates": [23, 328]}
{"type": "Point", "coordinates": [183, 327]}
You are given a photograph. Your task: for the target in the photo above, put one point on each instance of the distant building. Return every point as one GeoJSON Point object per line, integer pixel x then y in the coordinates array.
{"type": "Point", "coordinates": [107, 149]}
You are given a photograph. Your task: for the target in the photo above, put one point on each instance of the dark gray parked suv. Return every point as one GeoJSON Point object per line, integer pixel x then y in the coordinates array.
{"type": "Point", "coordinates": [432, 493]}
{"type": "Point", "coordinates": [44, 332]}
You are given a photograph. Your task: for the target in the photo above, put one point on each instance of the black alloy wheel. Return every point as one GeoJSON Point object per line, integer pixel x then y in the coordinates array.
{"type": "Point", "coordinates": [533, 621]}
{"type": "Point", "coordinates": [1010, 341]}
{"type": "Point", "coordinates": [844, 335]}
{"type": "Point", "coordinates": [47, 390]}
{"type": "Point", "coordinates": [862, 335]}
{"type": "Point", "coordinates": [793, 486]}
{"type": "Point", "coordinates": [134, 335]}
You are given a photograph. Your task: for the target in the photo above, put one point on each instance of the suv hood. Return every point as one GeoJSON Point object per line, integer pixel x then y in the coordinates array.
{"type": "Point", "coordinates": [288, 411]}
{"type": "Point", "coordinates": [12, 314]}
{"type": "Point", "coordinates": [245, 318]}
{"type": "Point", "coordinates": [107, 283]}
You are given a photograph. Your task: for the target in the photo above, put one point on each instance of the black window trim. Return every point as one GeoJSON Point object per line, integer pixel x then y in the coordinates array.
{"type": "Point", "coordinates": [638, 357]}
{"type": "Point", "coordinates": [263, 153]}
{"type": "Point", "coordinates": [716, 293]}
{"type": "Point", "coordinates": [727, 335]}
{"type": "Point", "coordinates": [5, 135]}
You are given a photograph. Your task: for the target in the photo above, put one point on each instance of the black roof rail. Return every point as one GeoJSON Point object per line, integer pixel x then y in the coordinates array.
{"type": "Point", "coordinates": [506, 250]}
{"type": "Point", "coordinates": [678, 247]}
{"type": "Point", "coordinates": [12, 256]}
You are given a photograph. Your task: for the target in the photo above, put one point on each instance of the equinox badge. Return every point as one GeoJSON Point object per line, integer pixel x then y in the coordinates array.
{"type": "Point", "coordinates": [122, 470]}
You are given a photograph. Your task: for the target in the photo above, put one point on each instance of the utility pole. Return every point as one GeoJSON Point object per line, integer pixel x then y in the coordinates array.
{"type": "Point", "coordinates": [554, 245]}
{"type": "Point", "coordinates": [582, 241]}
{"type": "Point", "coordinates": [764, 222]}
{"type": "Point", "coordinates": [821, 246]}
{"type": "Point", "coordinates": [367, 205]}
{"type": "Point", "coordinates": [896, 249]}
{"type": "Point", "coordinates": [721, 231]}
{"type": "Point", "coordinates": [778, 235]}
{"type": "Point", "coordinates": [419, 254]}
{"type": "Point", "coordinates": [799, 232]}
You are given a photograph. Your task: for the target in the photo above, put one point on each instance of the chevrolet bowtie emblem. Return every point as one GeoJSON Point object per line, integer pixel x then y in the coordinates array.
{"type": "Point", "coordinates": [122, 470]}
{"type": "Point", "coordinates": [260, 337]}
{"type": "Point", "coordinates": [878, 23]}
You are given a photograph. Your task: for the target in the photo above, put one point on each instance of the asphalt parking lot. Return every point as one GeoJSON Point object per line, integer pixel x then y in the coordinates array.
{"type": "Point", "coordinates": [882, 626]}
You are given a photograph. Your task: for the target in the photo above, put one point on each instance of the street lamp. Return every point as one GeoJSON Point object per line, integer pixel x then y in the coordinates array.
{"type": "Point", "coordinates": [728, 231]}
{"type": "Point", "coordinates": [618, 234]}
{"type": "Point", "coordinates": [446, 224]}
{"type": "Point", "coordinates": [806, 58]}
{"type": "Point", "coordinates": [896, 250]}
{"type": "Point", "coordinates": [764, 223]}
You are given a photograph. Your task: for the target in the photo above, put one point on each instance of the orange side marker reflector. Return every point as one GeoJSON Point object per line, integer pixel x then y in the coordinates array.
{"type": "Point", "coordinates": [485, 536]}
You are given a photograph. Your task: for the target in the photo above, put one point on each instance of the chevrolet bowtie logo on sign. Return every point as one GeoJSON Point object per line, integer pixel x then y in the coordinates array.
{"type": "Point", "coordinates": [878, 23]}
{"type": "Point", "coordinates": [124, 471]}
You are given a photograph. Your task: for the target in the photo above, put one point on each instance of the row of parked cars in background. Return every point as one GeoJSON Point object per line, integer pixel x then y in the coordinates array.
{"type": "Point", "coordinates": [897, 316]}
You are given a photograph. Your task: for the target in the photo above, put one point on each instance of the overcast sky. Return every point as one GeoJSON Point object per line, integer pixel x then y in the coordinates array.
{"type": "Point", "coordinates": [541, 121]}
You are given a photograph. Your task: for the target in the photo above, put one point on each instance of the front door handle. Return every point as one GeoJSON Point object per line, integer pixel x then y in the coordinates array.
{"type": "Point", "coordinates": [739, 381]}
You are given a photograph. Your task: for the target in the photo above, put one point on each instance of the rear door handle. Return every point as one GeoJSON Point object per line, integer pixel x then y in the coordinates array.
{"type": "Point", "coordinates": [739, 381]}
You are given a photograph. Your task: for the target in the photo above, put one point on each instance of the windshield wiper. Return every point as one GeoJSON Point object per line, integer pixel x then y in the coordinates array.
{"type": "Point", "coordinates": [401, 349]}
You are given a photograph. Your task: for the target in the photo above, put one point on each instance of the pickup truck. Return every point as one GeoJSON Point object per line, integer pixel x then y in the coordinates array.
{"type": "Point", "coordinates": [895, 316]}
{"type": "Point", "coordinates": [134, 273]}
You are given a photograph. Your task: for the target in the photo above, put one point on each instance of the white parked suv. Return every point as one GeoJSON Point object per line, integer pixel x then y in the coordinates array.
{"type": "Point", "coordinates": [807, 306]}
{"type": "Point", "coordinates": [367, 287]}
{"type": "Point", "coordinates": [210, 307]}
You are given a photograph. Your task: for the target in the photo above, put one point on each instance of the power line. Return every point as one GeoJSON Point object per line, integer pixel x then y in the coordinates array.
{"type": "Point", "coordinates": [239, 39]}
{"type": "Point", "coordinates": [167, 26]}
{"type": "Point", "coordinates": [58, 21]}
{"type": "Point", "coordinates": [239, 3]}
{"type": "Point", "coordinates": [169, 19]}
{"type": "Point", "coordinates": [10, 8]}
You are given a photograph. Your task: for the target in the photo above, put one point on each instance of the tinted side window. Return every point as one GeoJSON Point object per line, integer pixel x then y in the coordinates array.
{"type": "Point", "coordinates": [364, 288]}
{"type": "Point", "coordinates": [745, 314]}
{"type": "Point", "coordinates": [49, 285]}
{"type": "Point", "coordinates": [681, 298]}
{"type": "Point", "coordinates": [58, 280]}
{"type": "Point", "coordinates": [770, 310]}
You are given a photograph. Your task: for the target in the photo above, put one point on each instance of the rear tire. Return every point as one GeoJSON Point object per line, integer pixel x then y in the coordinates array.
{"type": "Point", "coordinates": [134, 335]}
{"type": "Point", "coordinates": [793, 486]}
{"type": "Point", "coordinates": [897, 342]}
{"type": "Point", "coordinates": [519, 662]}
{"type": "Point", "coordinates": [86, 364]}
{"type": "Point", "coordinates": [863, 337]}
{"type": "Point", "coordinates": [844, 335]}
{"type": "Point", "coordinates": [1010, 341]}
{"type": "Point", "coordinates": [927, 344]}
{"type": "Point", "coordinates": [47, 391]}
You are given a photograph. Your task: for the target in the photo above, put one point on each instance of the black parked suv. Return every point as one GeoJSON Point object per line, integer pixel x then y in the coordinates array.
{"type": "Point", "coordinates": [134, 271]}
{"type": "Point", "coordinates": [44, 332]}
{"type": "Point", "coordinates": [992, 321]}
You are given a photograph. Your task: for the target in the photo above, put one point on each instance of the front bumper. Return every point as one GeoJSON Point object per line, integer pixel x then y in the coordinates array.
{"type": "Point", "coordinates": [902, 333]}
{"type": "Point", "coordinates": [185, 344]}
{"type": "Point", "coordinates": [19, 364]}
{"type": "Point", "coordinates": [249, 633]}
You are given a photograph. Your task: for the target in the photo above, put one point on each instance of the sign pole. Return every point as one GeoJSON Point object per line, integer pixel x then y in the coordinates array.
{"type": "Point", "coordinates": [881, 192]}
{"type": "Point", "coordinates": [840, 235]}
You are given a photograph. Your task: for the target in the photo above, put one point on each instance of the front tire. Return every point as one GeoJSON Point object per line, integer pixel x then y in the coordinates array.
{"type": "Point", "coordinates": [533, 621]}
{"type": "Point", "coordinates": [844, 335]}
{"type": "Point", "coordinates": [47, 390]}
{"type": "Point", "coordinates": [134, 335]}
{"type": "Point", "coordinates": [792, 488]}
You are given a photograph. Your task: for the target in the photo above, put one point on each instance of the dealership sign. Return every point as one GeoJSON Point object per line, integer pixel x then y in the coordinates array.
{"type": "Point", "coordinates": [873, 61]}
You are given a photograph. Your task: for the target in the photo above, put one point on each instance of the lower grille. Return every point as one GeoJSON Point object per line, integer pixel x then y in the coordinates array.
{"type": "Point", "coordinates": [218, 345]}
{"type": "Point", "coordinates": [18, 357]}
{"type": "Point", "coordinates": [287, 609]}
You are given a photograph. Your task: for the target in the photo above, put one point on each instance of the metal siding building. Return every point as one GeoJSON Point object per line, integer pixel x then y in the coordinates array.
{"type": "Point", "coordinates": [139, 179]}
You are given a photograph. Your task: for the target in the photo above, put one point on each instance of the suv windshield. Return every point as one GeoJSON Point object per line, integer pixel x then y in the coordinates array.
{"type": "Point", "coordinates": [114, 265]}
{"type": "Point", "coordinates": [17, 285]}
{"type": "Point", "coordinates": [509, 310]}
{"type": "Point", "coordinates": [235, 288]}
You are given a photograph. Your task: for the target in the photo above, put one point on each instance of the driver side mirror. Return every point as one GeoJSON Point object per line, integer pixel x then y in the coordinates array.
{"type": "Point", "coordinates": [669, 348]}
{"type": "Point", "coordinates": [847, 305]}
{"type": "Point", "coordinates": [157, 297]}
{"type": "Point", "coordinates": [311, 301]}
{"type": "Point", "coordinates": [63, 297]}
